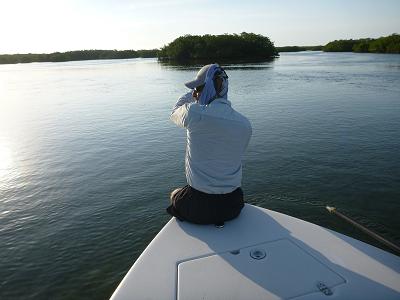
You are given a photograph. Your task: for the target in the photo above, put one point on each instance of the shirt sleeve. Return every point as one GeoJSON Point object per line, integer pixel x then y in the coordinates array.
{"type": "Point", "coordinates": [180, 113]}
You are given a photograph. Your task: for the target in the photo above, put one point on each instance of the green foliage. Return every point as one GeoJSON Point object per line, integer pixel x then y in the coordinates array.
{"type": "Point", "coordinates": [314, 48]}
{"type": "Point", "coordinates": [340, 46]}
{"type": "Point", "coordinates": [76, 55]}
{"type": "Point", "coordinates": [242, 46]}
{"type": "Point", "coordinates": [298, 48]}
{"type": "Point", "coordinates": [388, 44]}
{"type": "Point", "coordinates": [290, 49]}
{"type": "Point", "coordinates": [147, 53]}
{"type": "Point", "coordinates": [362, 45]}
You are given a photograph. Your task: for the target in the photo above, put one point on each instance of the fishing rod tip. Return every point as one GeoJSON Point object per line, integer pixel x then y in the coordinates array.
{"type": "Point", "coordinates": [330, 208]}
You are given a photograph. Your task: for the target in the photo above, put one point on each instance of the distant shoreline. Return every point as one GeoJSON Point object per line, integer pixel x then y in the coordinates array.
{"type": "Point", "coordinates": [76, 56]}
{"type": "Point", "coordinates": [299, 48]}
{"type": "Point", "coordinates": [182, 50]}
{"type": "Point", "coordinates": [387, 44]}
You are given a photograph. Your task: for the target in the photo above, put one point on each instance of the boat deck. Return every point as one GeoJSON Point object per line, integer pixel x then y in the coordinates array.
{"type": "Point", "coordinates": [260, 255]}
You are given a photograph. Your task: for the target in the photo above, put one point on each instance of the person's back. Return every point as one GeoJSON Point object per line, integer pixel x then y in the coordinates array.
{"type": "Point", "coordinates": [215, 147]}
{"type": "Point", "coordinates": [217, 137]}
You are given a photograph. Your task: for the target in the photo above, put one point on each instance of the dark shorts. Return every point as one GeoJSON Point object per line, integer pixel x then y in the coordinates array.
{"type": "Point", "coordinates": [197, 207]}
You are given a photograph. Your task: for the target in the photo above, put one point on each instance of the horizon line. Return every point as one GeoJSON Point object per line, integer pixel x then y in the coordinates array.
{"type": "Point", "coordinates": [19, 53]}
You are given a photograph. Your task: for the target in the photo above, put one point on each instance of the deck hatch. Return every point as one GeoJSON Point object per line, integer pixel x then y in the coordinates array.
{"type": "Point", "coordinates": [286, 272]}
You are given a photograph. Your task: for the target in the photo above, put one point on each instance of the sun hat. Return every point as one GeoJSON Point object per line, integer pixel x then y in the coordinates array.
{"type": "Point", "coordinates": [200, 78]}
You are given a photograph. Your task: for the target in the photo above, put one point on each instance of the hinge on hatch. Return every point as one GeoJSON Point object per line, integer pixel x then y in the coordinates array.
{"type": "Point", "coordinates": [324, 289]}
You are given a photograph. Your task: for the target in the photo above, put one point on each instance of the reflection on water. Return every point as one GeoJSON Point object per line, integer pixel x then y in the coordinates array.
{"type": "Point", "coordinates": [227, 64]}
{"type": "Point", "coordinates": [6, 160]}
{"type": "Point", "coordinates": [88, 157]}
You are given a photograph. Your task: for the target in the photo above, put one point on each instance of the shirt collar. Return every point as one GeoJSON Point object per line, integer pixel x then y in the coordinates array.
{"type": "Point", "coordinates": [222, 100]}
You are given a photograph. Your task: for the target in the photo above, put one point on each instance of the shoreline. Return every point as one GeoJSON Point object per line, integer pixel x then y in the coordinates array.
{"type": "Point", "coordinates": [181, 63]}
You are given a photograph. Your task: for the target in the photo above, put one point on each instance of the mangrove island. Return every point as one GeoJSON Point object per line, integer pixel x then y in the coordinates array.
{"type": "Point", "coordinates": [386, 44]}
{"type": "Point", "coordinates": [225, 47]}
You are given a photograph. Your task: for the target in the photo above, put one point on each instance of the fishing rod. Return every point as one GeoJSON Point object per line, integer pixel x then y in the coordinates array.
{"type": "Point", "coordinates": [372, 234]}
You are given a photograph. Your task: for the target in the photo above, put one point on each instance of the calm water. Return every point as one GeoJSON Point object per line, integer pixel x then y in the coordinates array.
{"type": "Point", "coordinates": [88, 157]}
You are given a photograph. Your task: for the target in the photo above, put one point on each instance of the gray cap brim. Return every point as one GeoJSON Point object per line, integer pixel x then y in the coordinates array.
{"type": "Point", "coordinates": [200, 77]}
{"type": "Point", "coordinates": [194, 83]}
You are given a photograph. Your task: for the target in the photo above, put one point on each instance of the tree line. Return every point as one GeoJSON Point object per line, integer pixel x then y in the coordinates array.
{"type": "Point", "coordinates": [386, 44]}
{"type": "Point", "coordinates": [244, 46]}
{"type": "Point", "coordinates": [225, 47]}
{"type": "Point", "coordinates": [299, 48]}
{"type": "Point", "coordinates": [76, 55]}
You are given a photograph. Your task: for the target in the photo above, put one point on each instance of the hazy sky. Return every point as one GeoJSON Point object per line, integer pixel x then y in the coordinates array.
{"type": "Point", "coordinates": [43, 26]}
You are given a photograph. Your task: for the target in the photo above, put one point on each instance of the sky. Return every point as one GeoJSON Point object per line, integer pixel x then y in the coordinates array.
{"type": "Point", "coordinates": [44, 26]}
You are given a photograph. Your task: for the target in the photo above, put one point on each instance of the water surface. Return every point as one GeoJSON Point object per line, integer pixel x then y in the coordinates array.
{"type": "Point", "coordinates": [88, 157]}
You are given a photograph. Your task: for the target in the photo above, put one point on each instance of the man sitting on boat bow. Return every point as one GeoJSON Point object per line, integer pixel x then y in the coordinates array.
{"type": "Point", "coordinates": [217, 137]}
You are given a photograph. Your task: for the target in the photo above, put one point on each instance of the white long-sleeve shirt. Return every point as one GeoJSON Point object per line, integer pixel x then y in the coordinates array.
{"type": "Point", "coordinates": [217, 137]}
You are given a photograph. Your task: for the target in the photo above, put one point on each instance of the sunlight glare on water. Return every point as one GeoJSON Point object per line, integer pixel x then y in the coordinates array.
{"type": "Point", "coordinates": [6, 160]}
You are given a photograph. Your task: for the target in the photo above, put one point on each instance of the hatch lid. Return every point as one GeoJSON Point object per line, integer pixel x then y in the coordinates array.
{"type": "Point", "coordinates": [272, 270]}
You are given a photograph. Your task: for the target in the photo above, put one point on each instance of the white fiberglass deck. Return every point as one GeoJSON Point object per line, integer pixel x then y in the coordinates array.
{"type": "Point", "coordinates": [302, 261]}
